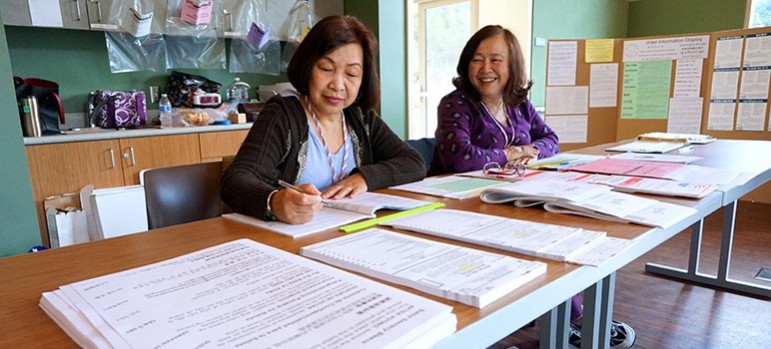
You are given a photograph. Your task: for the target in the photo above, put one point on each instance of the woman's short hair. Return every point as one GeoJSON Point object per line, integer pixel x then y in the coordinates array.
{"type": "Point", "coordinates": [327, 35]}
{"type": "Point", "coordinates": [516, 89]}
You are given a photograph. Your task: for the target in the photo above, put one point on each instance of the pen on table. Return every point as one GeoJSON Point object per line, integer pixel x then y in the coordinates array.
{"type": "Point", "coordinates": [291, 186]}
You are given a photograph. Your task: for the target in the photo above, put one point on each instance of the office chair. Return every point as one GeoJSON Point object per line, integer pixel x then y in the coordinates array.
{"type": "Point", "coordinates": [424, 146]}
{"type": "Point", "coordinates": [182, 194]}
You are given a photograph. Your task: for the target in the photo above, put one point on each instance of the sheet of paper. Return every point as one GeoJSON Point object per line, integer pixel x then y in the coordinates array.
{"type": "Point", "coordinates": [682, 159]}
{"type": "Point", "coordinates": [728, 52]}
{"type": "Point", "coordinates": [570, 128]}
{"type": "Point", "coordinates": [685, 115]}
{"type": "Point", "coordinates": [456, 187]}
{"type": "Point", "coordinates": [724, 84]}
{"type": "Point", "coordinates": [232, 295]}
{"type": "Point", "coordinates": [603, 83]}
{"type": "Point", "coordinates": [758, 50]}
{"type": "Point", "coordinates": [561, 64]}
{"type": "Point", "coordinates": [445, 222]}
{"type": "Point", "coordinates": [45, 13]}
{"type": "Point", "coordinates": [369, 202]}
{"type": "Point", "coordinates": [325, 219]}
{"type": "Point", "coordinates": [647, 147]}
{"type": "Point", "coordinates": [598, 50]}
{"type": "Point", "coordinates": [601, 251]}
{"type": "Point", "coordinates": [754, 85]}
{"type": "Point", "coordinates": [645, 90]}
{"type": "Point", "coordinates": [688, 78]}
{"type": "Point", "coordinates": [522, 236]}
{"type": "Point", "coordinates": [666, 49]}
{"type": "Point", "coordinates": [751, 115]}
{"type": "Point", "coordinates": [721, 115]}
{"type": "Point", "coordinates": [660, 186]}
{"type": "Point", "coordinates": [630, 168]}
{"type": "Point", "coordinates": [567, 100]}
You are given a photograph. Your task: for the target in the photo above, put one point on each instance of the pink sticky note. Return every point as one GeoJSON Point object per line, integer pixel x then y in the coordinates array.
{"type": "Point", "coordinates": [197, 12]}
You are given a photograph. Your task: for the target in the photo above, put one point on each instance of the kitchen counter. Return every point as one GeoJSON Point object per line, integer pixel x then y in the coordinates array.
{"type": "Point", "coordinates": [131, 133]}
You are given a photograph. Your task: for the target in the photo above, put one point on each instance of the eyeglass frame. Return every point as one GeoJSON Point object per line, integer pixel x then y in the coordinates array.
{"type": "Point", "coordinates": [509, 169]}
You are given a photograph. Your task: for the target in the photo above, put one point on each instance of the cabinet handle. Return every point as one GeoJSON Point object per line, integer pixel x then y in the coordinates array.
{"type": "Point", "coordinates": [133, 159]}
{"type": "Point", "coordinates": [112, 159]}
{"type": "Point", "coordinates": [229, 19]}
{"type": "Point", "coordinates": [77, 13]}
{"type": "Point", "coordinates": [98, 10]}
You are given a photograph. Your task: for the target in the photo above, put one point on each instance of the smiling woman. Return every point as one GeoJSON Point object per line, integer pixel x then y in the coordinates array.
{"type": "Point", "coordinates": [324, 137]}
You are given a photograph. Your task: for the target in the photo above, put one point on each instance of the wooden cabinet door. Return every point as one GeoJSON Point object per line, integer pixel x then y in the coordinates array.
{"type": "Point", "coordinates": [216, 145]}
{"type": "Point", "coordinates": [57, 169]}
{"type": "Point", "coordinates": [138, 154]}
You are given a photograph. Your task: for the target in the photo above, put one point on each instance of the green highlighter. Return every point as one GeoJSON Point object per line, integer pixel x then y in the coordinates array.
{"type": "Point", "coordinates": [375, 221]}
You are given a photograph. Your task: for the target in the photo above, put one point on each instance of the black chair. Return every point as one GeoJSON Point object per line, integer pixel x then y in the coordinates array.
{"type": "Point", "coordinates": [424, 146]}
{"type": "Point", "coordinates": [182, 194]}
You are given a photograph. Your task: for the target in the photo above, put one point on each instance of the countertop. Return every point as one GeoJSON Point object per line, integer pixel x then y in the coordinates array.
{"type": "Point", "coordinates": [131, 133]}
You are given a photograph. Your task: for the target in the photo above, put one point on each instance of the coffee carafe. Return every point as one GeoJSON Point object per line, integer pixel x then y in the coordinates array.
{"type": "Point", "coordinates": [31, 117]}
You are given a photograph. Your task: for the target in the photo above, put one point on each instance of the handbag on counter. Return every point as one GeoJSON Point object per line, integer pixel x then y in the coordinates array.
{"type": "Point", "coordinates": [50, 110]}
{"type": "Point", "coordinates": [119, 109]}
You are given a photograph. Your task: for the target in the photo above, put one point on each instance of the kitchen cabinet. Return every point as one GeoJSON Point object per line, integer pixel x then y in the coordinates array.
{"type": "Point", "coordinates": [138, 154]}
{"type": "Point", "coordinates": [216, 145]}
{"type": "Point", "coordinates": [61, 168]}
{"type": "Point", "coordinates": [17, 12]}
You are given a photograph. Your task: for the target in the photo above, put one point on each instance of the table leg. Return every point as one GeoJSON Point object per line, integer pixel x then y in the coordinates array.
{"type": "Point", "coordinates": [721, 279]}
{"type": "Point", "coordinates": [554, 324]}
{"type": "Point", "coordinates": [598, 311]}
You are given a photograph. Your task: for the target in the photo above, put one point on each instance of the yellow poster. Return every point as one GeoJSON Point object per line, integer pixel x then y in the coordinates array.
{"type": "Point", "coordinates": [599, 50]}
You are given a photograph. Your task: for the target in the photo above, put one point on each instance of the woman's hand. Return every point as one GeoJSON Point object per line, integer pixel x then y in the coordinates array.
{"type": "Point", "coordinates": [294, 207]}
{"type": "Point", "coordinates": [349, 187]}
{"type": "Point", "coordinates": [521, 153]}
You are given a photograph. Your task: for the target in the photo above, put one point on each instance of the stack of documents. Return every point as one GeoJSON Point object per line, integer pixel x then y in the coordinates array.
{"type": "Point", "coordinates": [244, 294]}
{"type": "Point", "coordinates": [454, 187]}
{"type": "Point", "coordinates": [575, 245]}
{"type": "Point", "coordinates": [591, 200]}
{"type": "Point", "coordinates": [648, 147]}
{"type": "Point", "coordinates": [469, 276]}
{"type": "Point", "coordinates": [689, 138]}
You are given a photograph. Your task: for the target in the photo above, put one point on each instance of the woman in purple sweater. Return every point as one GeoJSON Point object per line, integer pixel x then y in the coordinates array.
{"type": "Point", "coordinates": [488, 119]}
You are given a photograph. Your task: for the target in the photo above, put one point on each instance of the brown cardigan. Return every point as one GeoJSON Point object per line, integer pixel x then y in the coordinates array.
{"type": "Point", "coordinates": [278, 140]}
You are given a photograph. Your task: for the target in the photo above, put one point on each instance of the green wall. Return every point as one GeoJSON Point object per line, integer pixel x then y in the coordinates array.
{"type": "Point", "coordinates": [571, 19]}
{"type": "Point", "coordinates": [18, 223]}
{"type": "Point", "coordinates": [77, 61]}
{"type": "Point", "coordinates": [666, 17]}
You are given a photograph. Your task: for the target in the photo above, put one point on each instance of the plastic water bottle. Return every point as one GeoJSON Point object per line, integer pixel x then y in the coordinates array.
{"type": "Point", "coordinates": [238, 92]}
{"type": "Point", "coordinates": [164, 109]}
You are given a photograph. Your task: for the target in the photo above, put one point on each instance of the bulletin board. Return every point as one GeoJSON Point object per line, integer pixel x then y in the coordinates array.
{"type": "Point", "coordinates": [725, 96]}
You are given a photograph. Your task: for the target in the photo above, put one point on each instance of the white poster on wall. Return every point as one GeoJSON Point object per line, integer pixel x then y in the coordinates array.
{"type": "Point", "coordinates": [666, 49]}
{"type": "Point", "coordinates": [562, 63]}
{"type": "Point", "coordinates": [603, 83]}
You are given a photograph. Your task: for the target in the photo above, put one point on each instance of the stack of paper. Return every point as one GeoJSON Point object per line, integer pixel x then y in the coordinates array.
{"type": "Point", "coordinates": [676, 137]}
{"type": "Point", "coordinates": [591, 200]}
{"type": "Point", "coordinates": [648, 147]}
{"type": "Point", "coordinates": [556, 242]}
{"type": "Point", "coordinates": [244, 294]}
{"type": "Point", "coordinates": [469, 276]}
{"type": "Point", "coordinates": [455, 187]}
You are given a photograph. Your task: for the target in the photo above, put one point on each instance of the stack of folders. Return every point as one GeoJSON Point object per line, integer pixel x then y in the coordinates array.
{"type": "Point", "coordinates": [465, 275]}
{"type": "Point", "coordinates": [689, 138]}
{"type": "Point", "coordinates": [550, 241]}
{"type": "Point", "coordinates": [590, 200]}
{"type": "Point", "coordinates": [244, 294]}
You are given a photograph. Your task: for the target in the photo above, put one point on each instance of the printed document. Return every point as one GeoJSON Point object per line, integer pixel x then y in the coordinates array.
{"type": "Point", "coordinates": [469, 276]}
{"type": "Point", "coordinates": [455, 187]}
{"type": "Point", "coordinates": [243, 294]}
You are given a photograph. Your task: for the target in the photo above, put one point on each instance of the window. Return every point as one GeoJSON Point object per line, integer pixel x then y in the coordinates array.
{"type": "Point", "coordinates": [758, 13]}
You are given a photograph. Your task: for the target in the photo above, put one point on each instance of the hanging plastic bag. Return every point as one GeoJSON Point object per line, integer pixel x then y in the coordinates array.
{"type": "Point", "coordinates": [194, 37]}
{"type": "Point", "coordinates": [253, 48]}
{"type": "Point", "coordinates": [301, 19]}
{"type": "Point", "coordinates": [135, 47]}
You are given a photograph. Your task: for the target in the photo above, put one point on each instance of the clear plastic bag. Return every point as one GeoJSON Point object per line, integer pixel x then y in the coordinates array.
{"type": "Point", "coordinates": [194, 46]}
{"type": "Point", "coordinates": [301, 19]}
{"type": "Point", "coordinates": [244, 56]}
{"type": "Point", "coordinates": [134, 48]}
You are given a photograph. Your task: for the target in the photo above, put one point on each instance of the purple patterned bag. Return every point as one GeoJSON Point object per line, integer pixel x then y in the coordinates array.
{"type": "Point", "coordinates": [120, 109]}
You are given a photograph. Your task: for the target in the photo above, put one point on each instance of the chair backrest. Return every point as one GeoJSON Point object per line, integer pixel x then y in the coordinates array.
{"type": "Point", "coordinates": [424, 146]}
{"type": "Point", "coordinates": [182, 194]}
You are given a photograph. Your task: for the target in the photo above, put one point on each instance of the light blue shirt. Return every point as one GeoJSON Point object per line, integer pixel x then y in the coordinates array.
{"type": "Point", "coordinates": [317, 170]}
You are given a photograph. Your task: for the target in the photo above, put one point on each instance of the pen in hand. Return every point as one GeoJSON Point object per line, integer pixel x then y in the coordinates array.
{"type": "Point", "coordinates": [291, 186]}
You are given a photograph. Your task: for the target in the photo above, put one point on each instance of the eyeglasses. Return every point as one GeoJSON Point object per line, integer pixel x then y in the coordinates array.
{"type": "Point", "coordinates": [509, 169]}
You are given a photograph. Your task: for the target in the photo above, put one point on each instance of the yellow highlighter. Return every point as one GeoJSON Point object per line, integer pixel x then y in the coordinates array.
{"type": "Point", "coordinates": [375, 221]}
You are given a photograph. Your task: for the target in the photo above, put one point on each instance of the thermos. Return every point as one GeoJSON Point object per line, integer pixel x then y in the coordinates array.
{"type": "Point", "coordinates": [32, 127]}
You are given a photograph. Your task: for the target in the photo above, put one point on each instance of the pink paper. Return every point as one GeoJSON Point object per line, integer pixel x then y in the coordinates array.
{"type": "Point", "coordinates": [637, 168]}
{"type": "Point", "coordinates": [197, 12]}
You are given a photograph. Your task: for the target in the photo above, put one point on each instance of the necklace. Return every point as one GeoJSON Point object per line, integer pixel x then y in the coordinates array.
{"type": "Point", "coordinates": [506, 140]}
{"type": "Point", "coordinates": [335, 177]}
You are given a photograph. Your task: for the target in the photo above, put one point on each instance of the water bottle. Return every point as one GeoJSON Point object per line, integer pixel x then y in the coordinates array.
{"type": "Point", "coordinates": [238, 92]}
{"type": "Point", "coordinates": [164, 109]}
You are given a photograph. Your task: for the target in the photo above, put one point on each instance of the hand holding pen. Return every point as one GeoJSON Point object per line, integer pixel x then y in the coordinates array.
{"type": "Point", "coordinates": [298, 204]}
